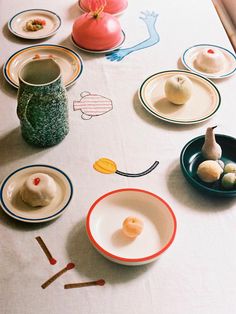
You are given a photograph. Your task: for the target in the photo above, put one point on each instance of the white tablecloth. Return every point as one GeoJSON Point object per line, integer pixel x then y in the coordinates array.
{"type": "Point", "coordinates": [197, 274]}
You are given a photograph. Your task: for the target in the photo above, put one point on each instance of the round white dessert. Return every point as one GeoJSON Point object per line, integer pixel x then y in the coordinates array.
{"type": "Point", "coordinates": [38, 190]}
{"type": "Point", "coordinates": [178, 89]}
{"type": "Point", "coordinates": [210, 60]}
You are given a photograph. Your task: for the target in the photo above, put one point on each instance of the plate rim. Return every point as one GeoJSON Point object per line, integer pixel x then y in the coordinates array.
{"type": "Point", "coordinates": [34, 220]}
{"type": "Point", "coordinates": [117, 47]}
{"type": "Point", "coordinates": [190, 178]}
{"type": "Point", "coordinates": [43, 45]}
{"type": "Point", "coordinates": [9, 24]}
{"type": "Point", "coordinates": [172, 120]}
{"type": "Point", "coordinates": [208, 75]}
{"type": "Point", "coordinates": [124, 259]}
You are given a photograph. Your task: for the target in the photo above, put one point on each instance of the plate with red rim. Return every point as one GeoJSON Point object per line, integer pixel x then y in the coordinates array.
{"type": "Point", "coordinates": [202, 105]}
{"type": "Point", "coordinates": [117, 46]}
{"type": "Point", "coordinates": [104, 226]}
{"type": "Point", "coordinates": [189, 57]}
{"type": "Point", "coordinates": [70, 62]}
{"type": "Point", "coordinates": [17, 23]}
{"type": "Point", "coordinates": [14, 206]}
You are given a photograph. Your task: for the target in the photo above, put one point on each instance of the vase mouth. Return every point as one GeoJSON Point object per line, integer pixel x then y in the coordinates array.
{"type": "Point", "coordinates": [40, 72]}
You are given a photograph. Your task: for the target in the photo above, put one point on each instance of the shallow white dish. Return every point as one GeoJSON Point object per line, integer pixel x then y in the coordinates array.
{"type": "Point", "coordinates": [100, 51]}
{"type": "Point", "coordinates": [69, 61]}
{"type": "Point", "coordinates": [17, 23]}
{"type": "Point", "coordinates": [104, 223]}
{"type": "Point", "coordinates": [13, 205]}
{"type": "Point", "coordinates": [189, 61]}
{"type": "Point", "coordinates": [204, 102]}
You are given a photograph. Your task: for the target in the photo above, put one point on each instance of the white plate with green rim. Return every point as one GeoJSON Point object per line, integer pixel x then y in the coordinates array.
{"type": "Point", "coordinates": [202, 105]}
{"type": "Point", "coordinates": [69, 61]}
{"type": "Point", "coordinates": [14, 206]}
{"type": "Point", "coordinates": [17, 24]}
{"type": "Point", "coordinates": [189, 58]}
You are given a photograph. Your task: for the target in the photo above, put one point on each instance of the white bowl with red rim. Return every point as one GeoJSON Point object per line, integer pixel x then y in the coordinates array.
{"type": "Point", "coordinates": [104, 226]}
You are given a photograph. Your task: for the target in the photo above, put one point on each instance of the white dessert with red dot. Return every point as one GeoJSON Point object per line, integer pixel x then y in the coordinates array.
{"type": "Point", "coordinates": [210, 60]}
{"type": "Point", "coordinates": [132, 227]}
{"type": "Point", "coordinates": [38, 190]}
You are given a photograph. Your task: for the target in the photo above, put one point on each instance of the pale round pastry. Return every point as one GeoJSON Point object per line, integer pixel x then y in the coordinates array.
{"type": "Point", "coordinates": [209, 171]}
{"type": "Point", "coordinates": [210, 60]}
{"type": "Point", "coordinates": [178, 89]}
{"type": "Point", "coordinates": [132, 227]}
{"type": "Point", "coordinates": [228, 181]}
{"type": "Point", "coordinates": [39, 189]}
{"type": "Point", "coordinates": [230, 167]}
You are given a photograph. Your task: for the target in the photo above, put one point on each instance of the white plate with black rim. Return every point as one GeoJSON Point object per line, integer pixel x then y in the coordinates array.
{"type": "Point", "coordinates": [229, 67]}
{"type": "Point", "coordinates": [202, 105]}
{"type": "Point", "coordinates": [17, 24]}
{"type": "Point", "coordinates": [69, 61]}
{"type": "Point", "coordinates": [15, 207]}
{"type": "Point", "coordinates": [117, 46]}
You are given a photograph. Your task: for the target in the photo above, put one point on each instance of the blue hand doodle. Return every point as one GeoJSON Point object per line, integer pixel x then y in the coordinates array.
{"type": "Point", "coordinates": [149, 19]}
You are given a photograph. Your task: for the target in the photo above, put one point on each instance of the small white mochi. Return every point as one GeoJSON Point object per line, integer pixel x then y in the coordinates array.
{"type": "Point", "coordinates": [209, 171]}
{"type": "Point", "coordinates": [210, 60]}
{"type": "Point", "coordinates": [38, 190]}
{"type": "Point", "coordinates": [178, 89]}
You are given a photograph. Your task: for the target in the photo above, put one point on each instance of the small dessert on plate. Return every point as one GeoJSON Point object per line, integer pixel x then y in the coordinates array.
{"type": "Point", "coordinates": [35, 25]}
{"type": "Point", "coordinates": [39, 189]}
{"type": "Point", "coordinates": [210, 60]}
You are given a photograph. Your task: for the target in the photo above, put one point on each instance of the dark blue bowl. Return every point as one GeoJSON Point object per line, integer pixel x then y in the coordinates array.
{"type": "Point", "coordinates": [191, 157]}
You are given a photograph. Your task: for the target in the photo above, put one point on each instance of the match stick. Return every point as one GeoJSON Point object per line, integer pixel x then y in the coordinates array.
{"type": "Point", "coordinates": [54, 277]}
{"type": "Point", "coordinates": [100, 282]}
{"type": "Point", "coordinates": [43, 246]}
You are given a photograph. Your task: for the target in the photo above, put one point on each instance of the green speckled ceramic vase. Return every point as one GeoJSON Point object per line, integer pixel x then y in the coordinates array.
{"type": "Point", "coordinates": [42, 103]}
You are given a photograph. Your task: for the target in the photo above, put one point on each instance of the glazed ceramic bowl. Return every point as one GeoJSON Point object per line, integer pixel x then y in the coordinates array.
{"type": "Point", "coordinates": [101, 33]}
{"type": "Point", "coordinates": [191, 157]}
{"type": "Point", "coordinates": [104, 226]}
{"type": "Point", "coordinates": [112, 6]}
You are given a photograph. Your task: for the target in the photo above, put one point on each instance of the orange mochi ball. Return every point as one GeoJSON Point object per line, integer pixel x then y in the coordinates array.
{"type": "Point", "coordinates": [132, 227]}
